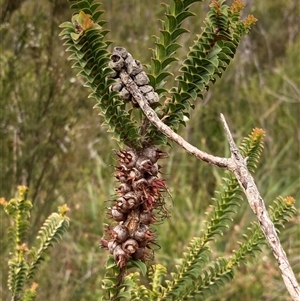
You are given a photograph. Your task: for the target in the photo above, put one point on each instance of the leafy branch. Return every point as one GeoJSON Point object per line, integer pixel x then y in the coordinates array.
{"type": "Point", "coordinates": [207, 59]}
{"type": "Point", "coordinates": [24, 262]}
{"type": "Point", "coordinates": [236, 164]}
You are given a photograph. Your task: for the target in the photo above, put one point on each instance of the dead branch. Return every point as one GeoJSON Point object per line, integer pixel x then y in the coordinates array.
{"type": "Point", "coordinates": [238, 166]}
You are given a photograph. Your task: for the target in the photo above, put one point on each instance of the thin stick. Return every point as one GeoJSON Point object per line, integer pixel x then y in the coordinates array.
{"type": "Point", "coordinates": [246, 181]}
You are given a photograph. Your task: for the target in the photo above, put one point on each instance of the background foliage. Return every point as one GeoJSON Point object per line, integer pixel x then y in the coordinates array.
{"type": "Point", "coordinates": [52, 141]}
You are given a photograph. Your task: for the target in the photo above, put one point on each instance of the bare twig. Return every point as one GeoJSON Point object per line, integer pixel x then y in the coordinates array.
{"type": "Point", "coordinates": [246, 181]}
{"type": "Point", "coordinates": [153, 118]}
{"type": "Point", "coordinates": [238, 166]}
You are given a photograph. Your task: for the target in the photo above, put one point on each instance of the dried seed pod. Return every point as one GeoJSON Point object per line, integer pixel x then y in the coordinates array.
{"type": "Point", "coordinates": [147, 217]}
{"type": "Point", "coordinates": [130, 246]}
{"type": "Point", "coordinates": [127, 202]}
{"type": "Point", "coordinates": [143, 164]}
{"type": "Point", "coordinates": [121, 176]}
{"type": "Point", "coordinates": [153, 153]}
{"type": "Point", "coordinates": [128, 157]}
{"type": "Point", "coordinates": [133, 66]}
{"type": "Point", "coordinates": [132, 221]}
{"type": "Point", "coordinates": [120, 256]}
{"type": "Point", "coordinates": [145, 243]}
{"type": "Point", "coordinates": [146, 89]}
{"type": "Point", "coordinates": [130, 195]}
{"type": "Point", "coordinates": [123, 188]}
{"type": "Point", "coordinates": [157, 186]}
{"type": "Point", "coordinates": [125, 94]}
{"type": "Point", "coordinates": [152, 98]}
{"type": "Point", "coordinates": [154, 169]}
{"type": "Point", "coordinates": [132, 199]}
{"type": "Point", "coordinates": [120, 233]}
{"type": "Point", "coordinates": [142, 254]}
{"type": "Point", "coordinates": [123, 168]}
{"type": "Point", "coordinates": [121, 51]}
{"type": "Point", "coordinates": [143, 234]}
{"type": "Point", "coordinates": [142, 79]}
{"type": "Point", "coordinates": [104, 243]}
{"type": "Point", "coordinates": [156, 182]}
{"type": "Point", "coordinates": [139, 254]}
{"type": "Point", "coordinates": [134, 174]}
{"type": "Point", "coordinates": [116, 62]}
{"type": "Point", "coordinates": [140, 184]}
{"type": "Point", "coordinates": [112, 245]}
{"type": "Point", "coordinates": [117, 86]}
{"type": "Point", "coordinates": [149, 202]}
{"type": "Point", "coordinates": [123, 206]}
{"type": "Point", "coordinates": [117, 215]}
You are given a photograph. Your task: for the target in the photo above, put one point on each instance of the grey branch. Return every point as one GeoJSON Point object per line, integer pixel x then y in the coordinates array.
{"type": "Point", "coordinates": [246, 181]}
{"type": "Point", "coordinates": [238, 166]}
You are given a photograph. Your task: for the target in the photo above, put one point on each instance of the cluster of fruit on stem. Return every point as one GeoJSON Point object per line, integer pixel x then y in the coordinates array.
{"type": "Point", "coordinates": [138, 204]}
{"type": "Point", "coordinates": [140, 199]}
{"type": "Point", "coordinates": [123, 60]}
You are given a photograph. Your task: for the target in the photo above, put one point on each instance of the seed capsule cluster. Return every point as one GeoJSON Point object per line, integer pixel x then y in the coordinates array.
{"type": "Point", "coordinates": [122, 60]}
{"type": "Point", "coordinates": [139, 200]}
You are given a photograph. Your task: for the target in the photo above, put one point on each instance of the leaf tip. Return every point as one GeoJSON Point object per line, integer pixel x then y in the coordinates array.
{"type": "Point", "coordinates": [289, 200]}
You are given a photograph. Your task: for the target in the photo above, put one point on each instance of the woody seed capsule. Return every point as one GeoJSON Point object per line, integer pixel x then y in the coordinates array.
{"type": "Point", "coordinates": [147, 218]}
{"type": "Point", "coordinates": [117, 86]}
{"type": "Point", "coordinates": [152, 97]}
{"type": "Point", "coordinates": [116, 62]}
{"type": "Point", "coordinates": [121, 51]}
{"type": "Point", "coordinates": [142, 233]}
{"type": "Point", "coordinates": [123, 188]}
{"type": "Point", "coordinates": [120, 233]}
{"type": "Point", "coordinates": [133, 66]}
{"type": "Point", "coordinates": [111, 246]}
{"type": "Point", "coordinates": [130, 246]}
{"type": "Point", "coordinates": [142, 79]}
{"type": "Point", "coordinates": [117, 215]}
{"type": "Point", "coordinates": [120, 256]}
{"type": "Point", "coordinates": [124, 94]}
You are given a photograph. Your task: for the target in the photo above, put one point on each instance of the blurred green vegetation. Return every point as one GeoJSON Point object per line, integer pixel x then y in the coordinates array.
{"type": "Point", "coordinates": [52, 141]}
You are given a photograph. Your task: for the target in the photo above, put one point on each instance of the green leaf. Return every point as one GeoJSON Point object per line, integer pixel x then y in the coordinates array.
{"type": "Point", "coordinates": [161, 91]}
{"type": "Point", "coordinates": [183, 15]}
{"type": "Point", "coordinates": [176, 6]}
{"type": "Point", "coordinates": [160, 51]}
{"type": "Point", "coordinates": [183, 86]}
{"type": "Point", "coordinates": [155, 66]}
{"type": "Point", "coordinates": [166, 62]}
{"type": "Point", "coordinates": [162, 76]}
{"type": "Point", "coordinates": [172, 48]}
{"type": "Point", "coordinates": [123, 294]}
{"type": "Point", "coordinates": [216, 50]}
{"type": "Point", "coordinates": [171, 23]}
{"type": "Point", "coordinates": [177, 32]}
{"type": "Point", "coordinates": [67, 32]}
{"type": "Point", "coordinates": [188, 77]}
{"type": "Point", "coordinates": [166, 37]}
{"type": "Point", "coordinates": [140, 265]}
{"type": "Point", "coordinates": [188, 3]}
{"type": "Point", "coordinates": [152, 79]}
{"type": "Point", "coordinates": [66, 25]}
{"type": "Point", "coordinates": [75, 36]}
{"type": "Point", "coordinates": [207, 66]}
